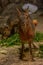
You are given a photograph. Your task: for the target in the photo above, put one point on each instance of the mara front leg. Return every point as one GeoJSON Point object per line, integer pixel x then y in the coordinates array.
{"type": "Point", "coordinates": [22, 51]}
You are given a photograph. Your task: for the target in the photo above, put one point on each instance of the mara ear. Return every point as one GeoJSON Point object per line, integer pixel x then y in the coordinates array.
{"type": "Point", "coordinates": [35, 22]}
{"type": "Point", "coordinates": [19, 12]}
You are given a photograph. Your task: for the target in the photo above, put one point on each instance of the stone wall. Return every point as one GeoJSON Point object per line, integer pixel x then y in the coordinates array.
{"type": "Point", "coordinates": [3, 3]}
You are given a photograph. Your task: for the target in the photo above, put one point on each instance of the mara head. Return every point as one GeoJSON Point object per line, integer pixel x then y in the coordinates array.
{"type": "Point", "coordinates": [25, 16]}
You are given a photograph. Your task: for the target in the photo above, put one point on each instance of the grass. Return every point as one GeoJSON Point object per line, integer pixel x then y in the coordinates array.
{"type": "Point", "coordinates": [38, 37]}
{"type": "Point", "coordinates": [15, 40]}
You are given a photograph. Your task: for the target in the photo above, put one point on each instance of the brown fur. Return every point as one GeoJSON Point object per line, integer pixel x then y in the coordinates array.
{"type": "Point", "coordinates": [26, 31]}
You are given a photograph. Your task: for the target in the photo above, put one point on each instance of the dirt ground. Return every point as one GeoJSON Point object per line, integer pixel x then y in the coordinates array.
{"type": "Point", "coordinates": [10, 55]}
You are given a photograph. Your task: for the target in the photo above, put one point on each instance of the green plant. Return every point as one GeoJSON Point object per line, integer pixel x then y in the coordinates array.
{"type": "Point", "coordinates": [38, 37]}
{"type": "Point", "coordinates": [15, 40]}
{"type": "Point", "coordinates": [41, 50]}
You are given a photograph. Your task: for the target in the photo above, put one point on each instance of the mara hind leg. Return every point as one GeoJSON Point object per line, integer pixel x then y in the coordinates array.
{"type": "Point", "coordinates": [30, 50]}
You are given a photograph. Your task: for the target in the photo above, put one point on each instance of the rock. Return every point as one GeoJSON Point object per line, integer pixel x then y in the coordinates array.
{"type": "Point", "coordinates": [3, 3]}
{"type": "Point", "coordinates": [3, 21]}
{"type": "Point", "coordinates": [30, 7]}
{"type": "Point", "coordinates": [17, 1]}
{"type": "Point", "coordinates": [11, 11]}
{"type": "Point", "coordinates": [12, 1]}
{"type": "Point", "coordinates": [36, 45]}
{"type": "Point", "coordinates": [0, 9]}
{"type": "Point", "coordinates": [8, 20]}
{"type": "Point", "coordinates": [3, 51]}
